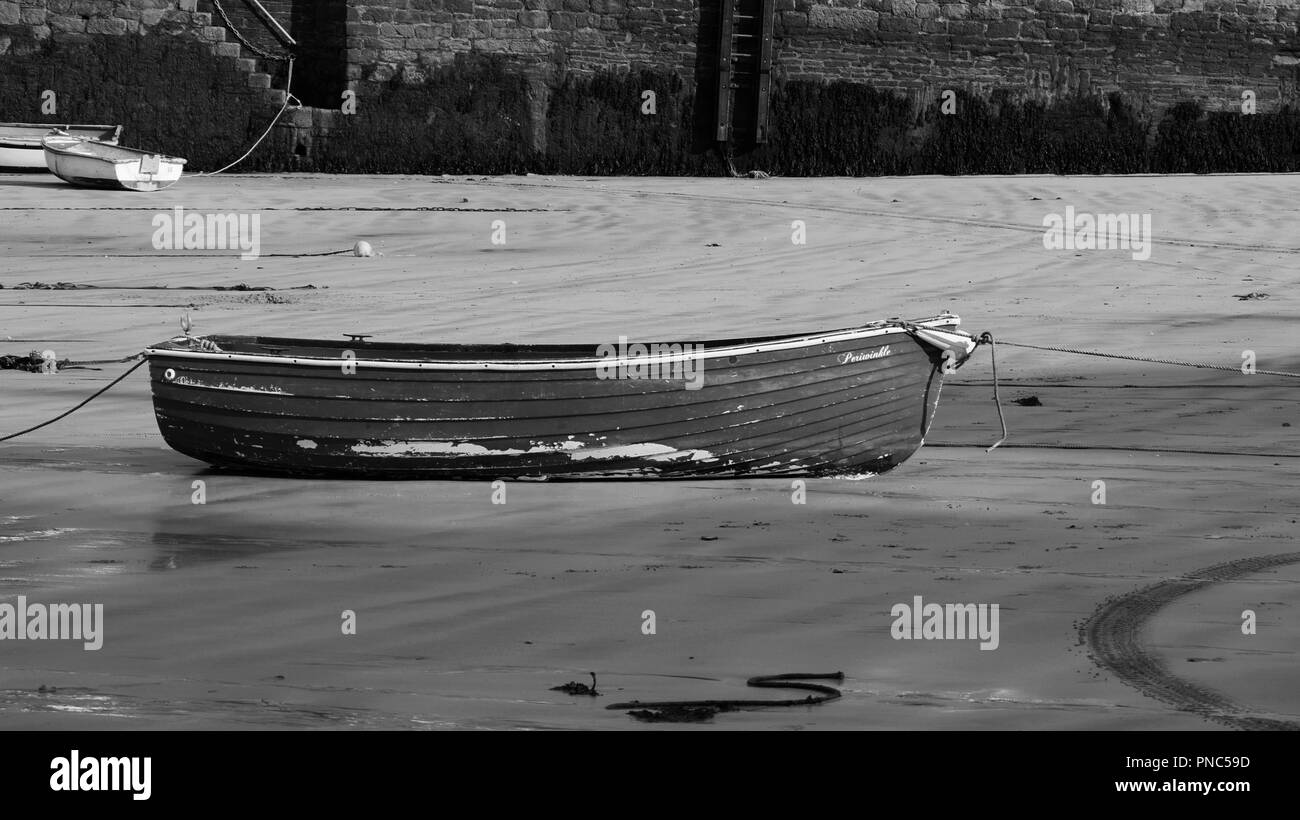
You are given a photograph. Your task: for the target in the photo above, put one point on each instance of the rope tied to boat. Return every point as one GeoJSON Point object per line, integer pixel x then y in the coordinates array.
{"type": "Point", "coordinates": [97, 394]}
{"type": "Point", "coordinates": [1174, 362]}
{"type": "Point", "coordinates": [289, 100]}
{"type": "Point", "coordinates": [986, 338]}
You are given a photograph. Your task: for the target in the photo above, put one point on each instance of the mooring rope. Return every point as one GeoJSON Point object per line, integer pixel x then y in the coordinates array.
{"type": "Point", "coordinates": [1175, 362]}
{"type": "Point", "coordinates": [986, 338]}
{"type": "Point", "coordinates": [288, 99]}
{"type": "Point", "coordinates": [122, 360]}
{"type": "Point", "coordinates": [99, 393]}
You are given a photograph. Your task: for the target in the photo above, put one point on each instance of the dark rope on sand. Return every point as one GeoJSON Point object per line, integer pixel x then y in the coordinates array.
{"type": "Point", "coordinates": [986, 338]}
{"type": "Point", "coordinates": [101, 392]}
{"type": "Point", "coordinates": [123, 360]}
{"type": "Point", "coordinates": [692, 710]}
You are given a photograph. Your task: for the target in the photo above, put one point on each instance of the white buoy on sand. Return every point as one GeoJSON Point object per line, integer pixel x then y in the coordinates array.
{"type": "Point", "coordinates": [362, 248]}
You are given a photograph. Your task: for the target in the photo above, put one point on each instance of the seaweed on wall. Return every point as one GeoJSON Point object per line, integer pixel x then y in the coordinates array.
{"type": "Point", "coordinates": [604, 123]}
{"type": "Point", "coordinates": [469, 116]}
{"type": "Point", "coordinates": [475, 115]}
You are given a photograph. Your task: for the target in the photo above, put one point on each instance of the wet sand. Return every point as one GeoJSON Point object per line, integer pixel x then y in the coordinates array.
{"type": "Point", "coordinates": [227, 614]}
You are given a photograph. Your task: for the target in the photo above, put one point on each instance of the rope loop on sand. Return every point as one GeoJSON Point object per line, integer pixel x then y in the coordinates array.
{"type": "Point", "coordinates": [986, 338]}
{"type": "Point", "coordinates": [99, 393]}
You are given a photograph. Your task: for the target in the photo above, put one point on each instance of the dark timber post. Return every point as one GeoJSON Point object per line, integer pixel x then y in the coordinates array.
{"type": "Point", "coordinates": [724, 71]}
{"type": "Point", "coordinates": [764, 71]}
{"type": "Point", "coordinates": [744, 73]}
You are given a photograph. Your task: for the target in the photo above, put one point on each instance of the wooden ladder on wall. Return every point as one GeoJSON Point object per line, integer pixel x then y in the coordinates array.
{"type": "Point", "coordinates": [744, 73]}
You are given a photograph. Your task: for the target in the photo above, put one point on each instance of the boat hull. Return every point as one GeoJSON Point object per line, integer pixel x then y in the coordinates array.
{"type": "Point", "coordinates": [90, 164]}
{"type": "Point", "coordinates": [855, 405]}
{"type": "Point", "coordinates": [22, 158]}
{"type": "Point", "coordinates": [20, 143]}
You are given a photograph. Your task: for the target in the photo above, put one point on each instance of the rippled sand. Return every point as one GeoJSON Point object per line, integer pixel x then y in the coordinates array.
{"type": "Point", "coordinates": [227, 615]}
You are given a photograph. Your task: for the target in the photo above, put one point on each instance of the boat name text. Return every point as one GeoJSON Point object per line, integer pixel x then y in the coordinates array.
{"type": "Point", "coordinates": [878, 353]}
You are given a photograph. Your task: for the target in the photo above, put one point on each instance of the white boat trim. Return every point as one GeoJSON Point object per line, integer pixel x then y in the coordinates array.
{"type": "Point", "coordinates": [953, 339]}
{"type": "Point", "coordinates": [65, 146]}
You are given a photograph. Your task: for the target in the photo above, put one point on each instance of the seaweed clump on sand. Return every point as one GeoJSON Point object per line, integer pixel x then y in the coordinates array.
{"type": "Point", "coordinates": [33, 362]}
{"type": "Point", "coordinates": [679, 714]}
{"type": "Point", "coordinates": [575, 688]}
{"type": "Point", "coordinates": [695, 711]}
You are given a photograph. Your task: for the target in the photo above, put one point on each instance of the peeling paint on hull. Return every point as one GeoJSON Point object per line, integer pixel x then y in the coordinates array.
{"type": "Point", "coordinates": [833, 409]}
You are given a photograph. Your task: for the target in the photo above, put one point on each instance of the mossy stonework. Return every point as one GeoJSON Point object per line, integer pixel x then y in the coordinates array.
{"type": "Point", "coordinates": [559, 86]}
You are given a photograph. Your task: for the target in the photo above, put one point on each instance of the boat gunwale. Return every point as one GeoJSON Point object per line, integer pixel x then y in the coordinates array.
{"type": "Point", "coordinates": [726, 348]}
{"type": "Point", "coordinates": [139, 152]}
{"type": "Point", "coordinates": [36, 141]}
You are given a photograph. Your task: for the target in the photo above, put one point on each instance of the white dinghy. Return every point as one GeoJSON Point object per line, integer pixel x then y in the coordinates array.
{"type": "Point", "coordinates": [92, 164]}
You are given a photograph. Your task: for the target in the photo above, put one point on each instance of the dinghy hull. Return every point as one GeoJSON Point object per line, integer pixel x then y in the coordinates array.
{"type": "Point", "coordinates": [20, 142]}
{"type": "Point", "coordinates": [92, 164]}
{"type": "Point", "coordinates": [854, 402]}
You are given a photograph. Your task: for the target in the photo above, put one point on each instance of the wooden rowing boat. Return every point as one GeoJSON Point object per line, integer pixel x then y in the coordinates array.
{"type": "Point", "coordinates": [20, 142]}
{"type": "Point", "coordinates": [847, 402]}
{"type": "Point", "coordinates": [91, 164]}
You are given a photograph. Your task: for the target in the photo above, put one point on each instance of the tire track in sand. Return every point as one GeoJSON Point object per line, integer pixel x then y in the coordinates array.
{"type": "Point", "coordinates": [1113, 637]}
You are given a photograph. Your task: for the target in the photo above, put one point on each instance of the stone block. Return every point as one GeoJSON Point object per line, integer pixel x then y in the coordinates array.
{"type": "Point", "coordinates": [107, 25]}
{"type": "Point", "coordinates": [64, 23]}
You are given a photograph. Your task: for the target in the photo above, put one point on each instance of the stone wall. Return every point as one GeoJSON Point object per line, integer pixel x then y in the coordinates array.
{"type": "Point", "coordinates": [26, 23]}
{"type": "Point", "coordinates": [317, 26]}
{"type": "Point", "coordinates": [1155, 52]}
{"type": "Point", "coordinates": [1159, 50]}
{"type": "Point", "coordinates": [411, 35]}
